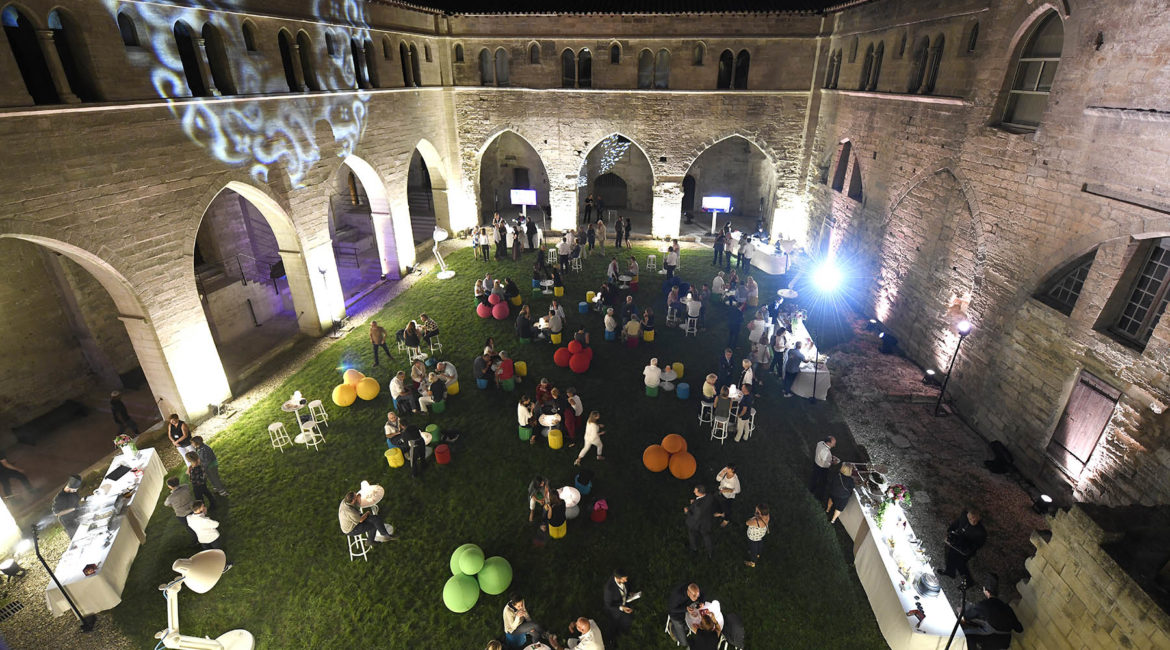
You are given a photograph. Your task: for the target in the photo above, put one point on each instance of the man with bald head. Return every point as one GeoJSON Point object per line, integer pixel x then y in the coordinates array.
{"type": "Point", "coordinates": [590, 635]}
{"type": "Point", "coordinates": [683, 598]}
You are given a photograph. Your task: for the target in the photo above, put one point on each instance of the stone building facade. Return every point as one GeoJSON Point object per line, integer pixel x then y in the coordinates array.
{"type": "Point", "coordinates": [993, 160]}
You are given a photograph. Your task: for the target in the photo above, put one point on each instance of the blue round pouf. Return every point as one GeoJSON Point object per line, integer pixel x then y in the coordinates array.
{"type": "Point", "coordinates": [610, 335]}
{"type": "Point", "coordinates": [683, 391]}
{"type": "Point", "coordinates": [583, 307]}
{"type": "Point", "coordinates": [481, 383]}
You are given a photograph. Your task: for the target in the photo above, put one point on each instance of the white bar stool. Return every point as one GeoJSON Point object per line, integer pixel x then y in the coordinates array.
{"type": "Point", "coordinates": [706, 412]}
{"type": "Point", "coordinates": [278, 435]}
{"type": "Point", "coordinates": [317, 412]}
{"type": "Point", "coordinates": [751, 426]}
{"type": "Point", "coordinates": [552, 255]}
{"type": "Point", "coordinates": [651, 262]}
{"type": "Point", "coordinates": [358, 547]}
{"type": "Point", "coordinates": [692, 327]}
{"type": "Point", "coordinates": [719, 429]}
{"type": "Point", "coordinates": [436, 345]}
{"type": "Point", "coordinates": [575, 264]}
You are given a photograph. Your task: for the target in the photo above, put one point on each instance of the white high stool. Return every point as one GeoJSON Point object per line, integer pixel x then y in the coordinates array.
{"type": "Point", "coordinates": [719, 429]}
{"type": "Point", "coordinates": [317, 412]}
{"type": "Point", "coordinates": [358, 547]}
{"type": "Point", "coordinates": [575, 264]}
{"type": "Point", "coordinates": [436, 345]}
{"type": "Point", "coordinates": [651, 262]}
{"type": "Point", "coordinates": [706, 412]}
{"type": "Point", "coordinates": [692, 327]}
{"type": "Point", "coordinates": [278, 435]}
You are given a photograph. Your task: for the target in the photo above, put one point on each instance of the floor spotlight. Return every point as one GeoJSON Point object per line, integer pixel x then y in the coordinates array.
{"type": "Point", "coordinates": [873, 325]}
{"type": "Point", "coordinates": [11, 568]}
{"type": "Point", "coordinates": [1043, 504]}
{"type": "Point", "coordinates": [930, 378]}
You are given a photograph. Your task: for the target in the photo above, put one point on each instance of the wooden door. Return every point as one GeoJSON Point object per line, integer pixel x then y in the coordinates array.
{"type": "Point", "coordinates": [1089, 408]}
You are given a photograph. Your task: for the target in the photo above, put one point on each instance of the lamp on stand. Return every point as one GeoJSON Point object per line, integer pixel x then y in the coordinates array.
{"type": "Point", "coordinates": [87, 622]}
{"type": "Point", "coordinates": [964, 328]}
{"type": "Point", "coordinates": [440, 235]}
{"type": "Point", "coordinates": [199, 572]}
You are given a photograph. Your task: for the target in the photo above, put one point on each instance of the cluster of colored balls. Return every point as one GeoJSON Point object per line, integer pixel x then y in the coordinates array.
{"type": "Point", "coordinates": [574, 356]}
{"type": "Point", "coordinates": [496, 308]}
{"type": "Point", "coordinates": [673, 454]}
{"type": "Point", "coordinates": [472, 573]}
{"type": "Point", "coordinates": [354, 385]}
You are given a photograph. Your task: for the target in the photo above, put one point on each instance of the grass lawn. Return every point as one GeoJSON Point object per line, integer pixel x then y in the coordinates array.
{"type": "Point", "coordinates": [293, 585]}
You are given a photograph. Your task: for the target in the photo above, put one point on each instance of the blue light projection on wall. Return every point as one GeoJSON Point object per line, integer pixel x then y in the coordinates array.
{"type": "Point", "coordinates": [259, 134]}
{"type": "Point", "coordinates": [613, 148]}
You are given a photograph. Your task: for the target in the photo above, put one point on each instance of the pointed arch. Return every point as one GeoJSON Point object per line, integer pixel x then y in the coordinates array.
{"type": "Point", "coordinates": [645, 69]}
{"type": "Point", "coordinates": [743, 62]}
{"type": "Point", "coordinates": [662, 69]}
{"type": "Point", "coordinates": [21, 34]}
{"type": "Point", "coordinates": [538, 179]}
{"type": "Point", "coordinates": [866, 68]}
{"type": "Point", "coordinates": [217, 60]}
{"type": "Point", "coordinates": [248, 31]}
{"type": "Point", "coordinates": [407, 70]}
{"type": "Point", "coordinates": [876, 70]}
{"type": "Point", "coordinates": [288, 60]}
{"type": "Point", "coordinates": [486, 69]}
{"type": "Point", "coordinates": [415, 66]}
{"type": "Point", "coordinates": [76, 59]}
{"type": "Point", "coordinates": [842, 168]}
{"type": "Point", "coordinates": [503, 65]}
{"type": "Point", "coordinates": [308, 61]}
{"type": "Point", "coordinates": [584, 69]}
{"type": "Point", "coordinates": [459, 53]}
{"type": "Point", "coordinates": [533, 53]}
{"type": "Point", "coordinates": [726, 70]}
{"type": "Point", "coordinates": [189, 56]}
{"type": "Point", "coordinates": [738, 166]}
{"type": "Point", "coordinates": [615, 53]}
{"type": "Point", "coordinates": [568, 69]}
{"type": "Point", "coordinates": [128, 30]}
{"type": "Point", "coordinates": [437, 171]}
{"type": "Point", "coordinates": [617, 146]}
{"type": "Point", "coordinates": [384, 224]}
{"type": "Point", "coordinates": [698, 53]}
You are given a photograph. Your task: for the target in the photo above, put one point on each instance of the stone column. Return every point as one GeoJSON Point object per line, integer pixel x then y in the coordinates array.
{"type": "Point", "coordinates": [56, 70]}
{"type": "Point", "coordinates": [205, 66]}
{"type": "Point", "coordinates": [667, 207]}
{"type": "Point", "coordinates": [562, 197]}
{"type": "Point", "coordinates": [385, 241]}
{"type": "Point", "coordinates": [303, 283]}
{"type": "Point", "coordinates": [294, 51]}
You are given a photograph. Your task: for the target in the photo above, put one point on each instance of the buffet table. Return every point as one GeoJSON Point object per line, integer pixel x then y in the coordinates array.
{"type": "Point", "coordinates": [810, 373]}
{"type": "Point", "coordinates": [888, 560]}
{"type": "Point", "coordinates": [110, 531]}
{"type": "Point", "coordinates": [764, 257]}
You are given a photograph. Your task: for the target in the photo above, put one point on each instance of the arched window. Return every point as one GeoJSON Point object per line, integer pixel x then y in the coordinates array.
{"type": "Point", "coordinates": [404, 60]}
{"type": "Point", "coordinates": [534, 54]}
{"type": "Point", "coordinates": [387, 49]}
{"type": "Point", "coordinates": [697, 56]}
{"type": "Point", "coordinates": [502, 64]}
{"type": "Point", "coordinates": [662, 70]}
{"type": "Point", "coordinates": [189, 56]}
{"type": "Point", "coordinates": [936, 52]}
{"type": "Point", "coordinates": [615, 54]}
{"type": "Point", "coordinates": [645, 69]}
{"type": "Point", "coordinates": [249, 32]}
{"type": "Point", "coordinates": [853, 50]}
{"type": "Point", "coordinates": [918, 64]}
{"type": "Point", "coordinates": [1034, 71]}
{"type": "Point", "coordinates": [26, 49]}
{"type": "Point", "coordinates": [458, 53]}
{"type": "Point", "coordinates": [427, 52]}
{"type": "Point", "coordinates": [842, 166]}
{"type": "Point", "coordinates": [1146, 294]}
{"type": "Point", "coordinates": [876, 70]}
{"type": "Point", "coordinates": [486, 77]}
{"type": "Point", "coordinates": [568, 69]}
{"type": "Point", "coordinates": [972, 37]}
{"type": "Point", "coordinates": [217, 60]}
{"type": "Point", "coordinates": [855, 182]}
{"type": "Point", "coordinates": [726, 70]}
{"type": "Point", "coordinates": [866, 68]}
{"type": "Point", "coordinates": [371, 64]}
{"type": "Point", "coordinates": [743, 61]}
{"type": "Point", "coordinates": [128, 30]}
{"type": "Point", "coordinates": [833, 70]}
{"type": "Point", "coordinates": [284, 39]}
{"type": "Point", "coordinates": [329, 44]}
{"type": "Point", "coordinates": [68, 37]}
{"type": "Point", "coordinates": [360, 75]}
{"type": "Point", "coordinates": [415, 66]}
{"type": "Point", "coordinates": [584, 69]}
{"type": "Point", "coordinates": [308, 69]}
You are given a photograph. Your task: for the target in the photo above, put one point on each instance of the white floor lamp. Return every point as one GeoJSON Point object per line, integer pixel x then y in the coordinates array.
{"type": "Point", "coordinates": [441, 235]}
{"type": "Point", "coordinates": [200, 573]}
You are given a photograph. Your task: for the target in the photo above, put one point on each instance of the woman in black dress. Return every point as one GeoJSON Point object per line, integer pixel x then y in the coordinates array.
{"type": "Point", "coordinates": [618, 230]}
{"type": "Point", "coordinates": [840, 491]}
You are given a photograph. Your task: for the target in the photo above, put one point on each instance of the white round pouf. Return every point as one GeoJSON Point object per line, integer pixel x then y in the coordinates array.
{"type": "Point", "coordinates": [666, 385]}
{"type": "Point", "coordinates": [572, 512]}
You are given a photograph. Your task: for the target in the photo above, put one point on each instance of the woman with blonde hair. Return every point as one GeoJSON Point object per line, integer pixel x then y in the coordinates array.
{"type": "Point", "coordinates": [840, 491]}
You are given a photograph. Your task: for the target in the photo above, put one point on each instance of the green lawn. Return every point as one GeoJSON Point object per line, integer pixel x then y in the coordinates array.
{"type": "Point", "coordinates": [293, 585]}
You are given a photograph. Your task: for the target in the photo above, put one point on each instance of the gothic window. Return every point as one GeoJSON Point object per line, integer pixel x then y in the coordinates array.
{"type": "Point", "coordinates": [375, 80]}
{"type": "Point", "coordinates": [502, 64]}
{"type": "Point", "coordinates": [68, 38]}
{"type": "Point", "coordinates": [305, 44]}
{"type": "Point", "coordinates": [901, 51]}
{"type": "Point", "coordinates": [249, 33]}
{"type": "Point", "coordinates": [645, 69]}
{"type": "Point", "coordinates": [1147, 296]}
{"type": "Point", "coordinates": [743, 61]}
{"type": "Point", "coordinates": [697, 56]}
{"type": "Point", "coordinates": [361, 76]}
{"type": "Point", "coordinates": [427, 52]}
{"type": "Point", "coordinates": [855, 182]}
{"type": "Point", "coordinates": [329, 44]}
{"type": "Point", "coordinates": [584, 69]}
{"type": "Point", "coordinates": [189, 57]}
{"type": "Point", "coordinates": [1034, 71]}
{"type": "Point", "coordinates": [853, 50]}
{"type": "Point", "coordinates": [932, 64]}
{"type": "Point", "coordinates": [1064, 287]}
{"type": "Point", "coordinates": [485, 68]}
{"type": "Point", "coordinates": [866, 68]}
{"type": "Point", "coordinates": [534, 54]}
{"type": "Point", "coordinates": [833, 71]}
{"type": "Point", "coordinates": [972, 37]}
{"type": "Point", "coordinates": [876, 71]}
{"type": "Point", "coordinates": [284, 40]}
{"type": "Point", "coordinates": [615, 54]}
{"type": "Point", "coordinates": [842, 166]}
{"type": "Point", "coordinates": [568, 69]}
{"type": "Point", "coordinates": [415, 67]}
{"type": "Point", "coordinates": [458, 53]}
{"type": "Point", "coordinates": [662, 70]}
{"type": "Point", "coordinates": [387, 49]}
{"type": "Point", "coordinates": [404, 60]}
{"type": "Point", "coordinates": [918, 64]}
{"type": "Point", "coordinates": [726, 69]}
{"type": "Point", "coordinates": [30, 60]}
{"type": "Point", "coordinates": [128, 30]}
{"type": "Point", "coordinates": [217, 60]}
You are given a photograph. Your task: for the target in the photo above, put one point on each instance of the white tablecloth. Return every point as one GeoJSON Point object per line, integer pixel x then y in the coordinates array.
{"type": "Point", "coordinates": [108, 540]}
{"type": "Point", "coordinates": [803, 386]}
{"type": "Point", "coordinates": [879, 576]}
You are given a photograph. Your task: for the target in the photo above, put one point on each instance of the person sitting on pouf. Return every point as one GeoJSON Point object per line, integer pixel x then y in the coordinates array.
{"type": "Point", "coordinates": [482, 367]}
{"type": "Point", "coordinates": [447, 371]}
{"type": "Point", "coordinates": [403, 396]}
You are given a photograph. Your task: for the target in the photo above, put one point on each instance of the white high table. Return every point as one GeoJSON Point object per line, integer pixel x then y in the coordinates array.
{"type": "Point", "coordinates": [108, 537]}
{"type": "Point", "coordinates": [803, 386]}
{"type": "Point", "coordinates": [876, 563]}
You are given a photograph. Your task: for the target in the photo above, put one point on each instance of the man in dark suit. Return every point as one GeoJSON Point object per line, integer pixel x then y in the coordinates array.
{"type": "Point", "coordinates": [726, 368]}
{"type": "Point", "coordinates": [700, 518]}
{"type": "Point", "coordinates": [681, 599]}
{"type": "Point", "coordinates": [616, 596]}
{"type": "Point", "coordinates": [989, 624]}
{"type": "Point", "coordinates": [965, 536]}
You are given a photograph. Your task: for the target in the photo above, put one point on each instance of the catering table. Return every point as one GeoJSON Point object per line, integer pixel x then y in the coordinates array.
{"type": "Point", "coordinates": [891, 592]}
{"type": "Point", "coordinates": [810, 373]}
{"type": "Point", "coordinates": [764, 256]}
{"type": "Point", "coordinates": [111, 530]}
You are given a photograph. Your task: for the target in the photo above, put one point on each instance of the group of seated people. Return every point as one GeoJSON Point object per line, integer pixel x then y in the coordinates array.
{"type": "Point", "coordinates": [506, 289]}
{"type": "Point", "coordinates": [734, 292]}
{"type": "Point", "coordinates": [417, 332]}
{"type": "Point", "coordinates": [542, 271]}
{"type": "Point", "coordinates": [423, 387]}
{"type": "Point", "coordinates": [551, 408]}
{"type": "Point", "coordinates": [493, 366]}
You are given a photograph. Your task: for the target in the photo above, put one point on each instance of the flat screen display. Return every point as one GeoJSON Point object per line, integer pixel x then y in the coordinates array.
{"type": "Point", "coordinates": [523, 197]}
{"type": "Point", "coordinates": [717, 203]}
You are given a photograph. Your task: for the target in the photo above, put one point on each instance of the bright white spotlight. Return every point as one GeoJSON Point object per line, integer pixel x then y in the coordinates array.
{"type": "Point", "coordinates": [964, 327]}
{"type": "Point", "coordinates": [827, 277]}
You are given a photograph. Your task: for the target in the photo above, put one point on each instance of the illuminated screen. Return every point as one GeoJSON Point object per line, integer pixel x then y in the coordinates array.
{"type": "Point", "coordinates": [717, 203]}
{"type": "Point", "coordinates": [523, 197]}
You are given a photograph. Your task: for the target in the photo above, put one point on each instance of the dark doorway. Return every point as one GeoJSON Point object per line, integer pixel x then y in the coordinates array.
{"type": "Point", "coordinates": [286, 59]}
{"type": "Point", "coordinates": [1089, 408]}
{"type": "Point", "coordinates": [22, 38]}
{"type": "Point", "coordinates": [520, 178]}
{"type": "Point", "coordinates": [420, 199]}
{"type": "Point", "coordinates": [688, 199]}
{"type": "Point", "coordinates": [610, 189]}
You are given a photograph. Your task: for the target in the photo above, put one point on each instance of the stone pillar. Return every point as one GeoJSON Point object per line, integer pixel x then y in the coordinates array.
{"type": "Point", "coordinates": [326, 287]}
{"type": "Point", "coordinates": [667, 212]}
{"type": "Point", "coordinates": [56, 70]}
{"type": "Point", "coordinates": [98, 360]}
{"type": "Point", "coordinates": [184, 371]}
{"type": "Point", "coordinates": [385, 240]}
{"type": "Point", "coordinates": [294, 50]}
{"type": "Point", "coordinates": [562, 197]}
{"type": "Point", "coordinates": [403, 232]}
{"type": "Point", "coordinates": [205, 66]}
{"type": "Point", "coordinates": [303, 286]}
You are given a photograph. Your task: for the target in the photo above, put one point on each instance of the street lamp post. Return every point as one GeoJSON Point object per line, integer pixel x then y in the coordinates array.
{"type": "Point", "coordinates": [964, 328]}
{"type": "Point", "coordinates": [87, 622]}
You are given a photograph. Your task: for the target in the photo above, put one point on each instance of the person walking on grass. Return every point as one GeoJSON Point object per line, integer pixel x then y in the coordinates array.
{"type": "Point", "coordinates": [757, 530]}
{"type": "Point", "coordinates": [210, 465]}
{"type": "Point", "coordinates": [378, 340]}
{"type": "Point", "coordinates": [198, 478]}
{"type": "Point", "coordinates": [206, 529]}
{"type": "Point", "coordinates": [593, 432]}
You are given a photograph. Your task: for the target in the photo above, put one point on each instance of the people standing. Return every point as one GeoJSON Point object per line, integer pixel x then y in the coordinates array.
{"type": "Point", "coordinates": [121, 415]}
{"type": "Point", "coordinates": [989, 624]}
{"type": "Point", "coordinates": [616, 599]}
{"type": "Point", "coordinates": [670, 262]}
{"type": "Point", "coordinates": [206, 529]}
{"type": "Point", "coordinates": [181, 501]}
{"type": "Point", "coordinates": [718, 257]}
{"type": "Point", "coordinates": [965, 536]}
{"type": "Point", "coordinates": [792, 368]}
{"type": "Point", "coordinates": [198, 479]}
{"type": "Point", "coordinates": [757, 530]}
{"type": "Point", "coordinates": [210, 464]}
{"type": "Point", "coordinates": [729, 488]}
{"type": "Point", "coordinates": [629, 232]}
{"type": "Point", "coordinates": [743, 426]}
{"type": "Point", "coordinates": [823, 461]}
{"type": "Point", "coordinates": [700, 519]}
{"type": "Point", "coordinates": [779, 345]}
{"type": "Point", "coordinates": [593, 432]}
{"type": "Point", "coordinates": [601, 234]}
{"type": "Point", "coordinates": [65, 505]}
{"type": "Point", "coordinates": [8, 471]}
{"type": "Point", "coordinates": [180, 435]}
{"type": "Point", "coordinates": [726, 367]}
{"type": "Point", "coordinates": [840, 492]}
{"type": "Point", "coordinates": [618, 230]}
{"type": "Point", "coordinates": [485, 243]}
{"type": "Point", "coordinates": [378, 340]}
{"type": "Point", "coordinates": [734, 325]}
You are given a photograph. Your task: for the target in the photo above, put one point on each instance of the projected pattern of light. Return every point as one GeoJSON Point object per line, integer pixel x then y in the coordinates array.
{"type": "Point", "coordinates": [259, 134]}
{"type": "Point", "coordinates": [612, 149]}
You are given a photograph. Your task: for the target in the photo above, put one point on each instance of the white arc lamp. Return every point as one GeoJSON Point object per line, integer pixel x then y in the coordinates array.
{"type": "Point", "coordinates": [199, 572]}
{"type": "Point", "coordinates": [441, 235]}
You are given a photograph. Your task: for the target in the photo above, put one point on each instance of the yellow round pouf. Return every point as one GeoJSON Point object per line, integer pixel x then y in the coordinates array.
{"type": "Point", "coordinates": [556, 439]}
{"type": "Point", "coordinates": [589, 295]}
{"type": "Point", "coordinates": [453, 388]}
{"type": "Point", "coordinates": [394, 457]}
{"type": "Point", "coordinates": [521, 368]}
{"type": "Point", "coordinates": [352, 377]}
{"type": "Point", "coordinates": [517, 301]}
{"type": "Point", "coordinates": [368, 388]}
{"type": "Point", "coordinates": [648, 336]}
{"type": "Point", "coordinates": [678, 368]}
{"type": "Point", "coordinates": [555, 338]}
{"type": "Point", "coordinates": [557, 532]}
{"type": "Point", "coordinates": [558, 291]}
{"type": "Point", "coordinates": [344, 395]}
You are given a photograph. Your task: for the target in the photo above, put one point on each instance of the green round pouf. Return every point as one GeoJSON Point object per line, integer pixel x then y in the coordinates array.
{"type": "Point", "coordinates": [435, 432]}
{"type": "Point", "coordinates": [471, 560]}
{"type": "Point", "coordinates": [455, 570]}
{"type": "Point", "coordinates": [460, 593]}
{"type": "Point", "coordinates": [495, 576]}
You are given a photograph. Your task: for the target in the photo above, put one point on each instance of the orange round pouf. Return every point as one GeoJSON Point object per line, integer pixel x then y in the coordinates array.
{"type": "Point", "coordinates": [655, 458]}
{"type": "Point", "coordinates": [682, 465]}
{"type": "Point", "coordinates": [674, 443]}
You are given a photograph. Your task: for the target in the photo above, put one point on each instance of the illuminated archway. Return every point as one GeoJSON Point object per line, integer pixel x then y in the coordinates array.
{"type": "Point", "coordinates": [621, 156]}
{"type": "Point", "coordinates": [426, 191]}
{"type": "Point", "coordinates": [509, 161]}
{"type": "Point", "coordinates": [738, 168]}
{"type": "Point", "coordinates": [361, 227]}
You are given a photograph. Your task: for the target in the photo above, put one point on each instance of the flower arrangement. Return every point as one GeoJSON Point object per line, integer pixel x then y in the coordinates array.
{"type": "Point", "coordinates": [895, 494]}
{"type": "Point", "coordinates": [126, 444]}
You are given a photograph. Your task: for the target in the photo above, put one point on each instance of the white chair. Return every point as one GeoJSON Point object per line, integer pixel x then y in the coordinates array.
{"type": "Point", "coordinates": [358, 547]}
{"type": "Point", "coordinates": [317, 412]}
{"type": "Point", "coordinates": [436, 345]}
{"type": "Point", "coordinates": [651, 263]}
{"type": "Point", "coordinates": [278, 435]}
{"type": "Point", "coordinates": [719, 428]}
{"type": "Point", "coordinates": [575, 264]}
{"type": "Point", "coordinates": [311, 425]}
{"type": "Point", "coordinates": [671, 317]}
{"type": "Point", "coordinates": [706, 412]}
{"type": "Point", "coordinates": [692, 327]}
{"type": "Point", "coordinates": [552, 256]}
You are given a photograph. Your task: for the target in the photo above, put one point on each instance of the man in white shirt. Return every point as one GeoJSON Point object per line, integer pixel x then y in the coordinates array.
{"type": "Point", "coordinates": [401, 394]}
{"type": "Point", "coordinates": [717, 285]}
{"type": "Point", "coordinates": [823, 460]}
{"type": "Point", "coordinates": [447, 371]}
{"type": "Point", "coordinates": [563, 250]}
{"type": "Point", "coordinates": [652, 374]}
{"type": "Point", "coordinates": [670, 262]}
{"type": "Point", "coordinates": [206, 529]}
{"type": "Point", "coordinates": [590, 638]}
{"type": "Point", "coordinates": [611, 323]}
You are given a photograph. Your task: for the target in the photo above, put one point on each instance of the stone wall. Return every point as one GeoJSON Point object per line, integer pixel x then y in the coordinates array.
{"type": "Point", "coordinates": [1079, 598]}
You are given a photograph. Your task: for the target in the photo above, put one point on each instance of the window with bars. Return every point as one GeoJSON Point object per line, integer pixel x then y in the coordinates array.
{"type": "Point", "coordinates": [1035, 70]}
{"type": "Point", "coordinates": [1147, 299]}
{"type": "Point", "coordinates": [1064, 287]}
